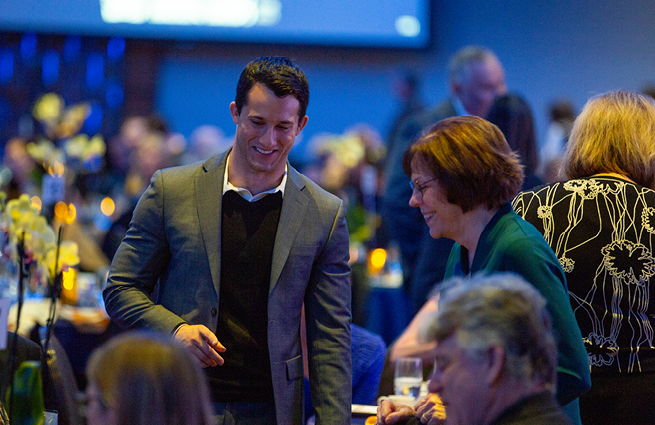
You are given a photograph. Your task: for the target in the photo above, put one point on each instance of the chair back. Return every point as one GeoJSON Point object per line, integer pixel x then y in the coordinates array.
{"type": "Point", "coordinates": [60, 389]}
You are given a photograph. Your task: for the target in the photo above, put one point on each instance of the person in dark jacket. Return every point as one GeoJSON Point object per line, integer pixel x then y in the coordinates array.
{"type": "Point", "coordinates": [496, 357]}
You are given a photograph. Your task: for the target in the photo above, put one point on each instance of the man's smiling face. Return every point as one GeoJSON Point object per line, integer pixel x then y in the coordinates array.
{"type": "Point", "coordinates": [266, 129]}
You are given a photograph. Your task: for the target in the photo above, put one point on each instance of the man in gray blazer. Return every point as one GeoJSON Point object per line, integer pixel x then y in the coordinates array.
{"type": "Point", "coordinates": [231, 249]}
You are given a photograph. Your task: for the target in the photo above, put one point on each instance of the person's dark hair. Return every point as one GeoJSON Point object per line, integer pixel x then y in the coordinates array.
{"type": "Point", "coordinates": [513, 116]}
{"type": "Point", "coordinates": [470, 159]}
{"type": "Point", "coordinates": [280, 75]}
{"type": "Point", "coordinates": [561, 111]}
{"type": "Point", "coordinates": [157, 124]}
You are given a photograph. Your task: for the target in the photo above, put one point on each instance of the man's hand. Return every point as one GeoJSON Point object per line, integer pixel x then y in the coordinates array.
{"type": "Point", "coordinates": [202, 343]}
{"type": "Point", "coordinates": [390, 412]}
{"type": "Point", "coordinates": [430, 410]}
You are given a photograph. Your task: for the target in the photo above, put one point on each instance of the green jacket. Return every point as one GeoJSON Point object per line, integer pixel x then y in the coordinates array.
{"type": "Point", "coordinates": [510, 244]}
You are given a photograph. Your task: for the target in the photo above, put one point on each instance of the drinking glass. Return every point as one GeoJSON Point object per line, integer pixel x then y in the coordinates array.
{"type": "Point", "coordinates": [408, 376]}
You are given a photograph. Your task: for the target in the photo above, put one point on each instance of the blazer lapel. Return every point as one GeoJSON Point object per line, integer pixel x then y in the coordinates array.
{"type": "Point", "coordinates": [294, 205]}
{"type": "Point", "coordinates": [209, 192]}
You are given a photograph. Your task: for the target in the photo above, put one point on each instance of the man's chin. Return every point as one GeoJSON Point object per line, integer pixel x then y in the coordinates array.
{"type": "Point", "coordinates": [264, 165]}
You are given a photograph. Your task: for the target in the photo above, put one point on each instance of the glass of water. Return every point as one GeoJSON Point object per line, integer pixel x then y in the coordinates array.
{"type": "Point", "coordinates": [408, 376]}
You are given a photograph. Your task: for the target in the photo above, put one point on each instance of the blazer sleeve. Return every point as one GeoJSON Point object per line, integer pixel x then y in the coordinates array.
{"type": "Point", "coordinates": [328, 317]}
{"type": "Point", "coordinates": [140, 260]}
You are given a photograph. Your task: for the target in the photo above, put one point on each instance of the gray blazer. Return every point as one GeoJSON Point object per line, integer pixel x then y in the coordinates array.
{"type": "Point", "coordinates": [175, 239]}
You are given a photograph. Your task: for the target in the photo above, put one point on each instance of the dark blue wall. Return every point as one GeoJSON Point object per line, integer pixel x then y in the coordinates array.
{"type": "Point", "coordinates": [550, 49]}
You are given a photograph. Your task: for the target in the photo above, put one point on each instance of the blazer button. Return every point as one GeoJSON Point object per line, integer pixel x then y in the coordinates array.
{"type": "Point", "coordinates": [214, 311]}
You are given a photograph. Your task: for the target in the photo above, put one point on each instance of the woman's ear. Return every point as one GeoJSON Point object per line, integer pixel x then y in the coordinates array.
{"type": "Point", "coordinates": [495, 363]}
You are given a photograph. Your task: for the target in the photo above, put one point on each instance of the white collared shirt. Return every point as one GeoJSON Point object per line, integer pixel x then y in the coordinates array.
{"type": "Point", "coordinates": [459, 107]}
{"type": "Point", "coordinates": [245, 193]}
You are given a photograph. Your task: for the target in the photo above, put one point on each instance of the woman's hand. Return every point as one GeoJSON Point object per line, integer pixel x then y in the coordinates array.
{"type": "Point", "coordinates": [430, 410]}
{"type": "Point", "coordinates": [391, 413]}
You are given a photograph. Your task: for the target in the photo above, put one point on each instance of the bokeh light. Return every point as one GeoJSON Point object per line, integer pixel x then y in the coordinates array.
{"type": "Point", "coordinates": [65, 213]}
{"type": "Point", "coordinates": [36, 203]}
{"type": "Point", "coordinates": [72, 214]}
{"type": "Point", "coordinates": [57, 169]}
{"type": "Point", "coordinates": [377, 259]}
{"type": "Point", "coordinates": [107, 206]}
{"type": "Point", "coordinates": [61, 211]}
{"type": "Point", "coordinates": [69, 279]}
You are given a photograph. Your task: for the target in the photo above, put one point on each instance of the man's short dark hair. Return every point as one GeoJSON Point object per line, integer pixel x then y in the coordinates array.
{"type": "Point", "coordinates": [279, 75]}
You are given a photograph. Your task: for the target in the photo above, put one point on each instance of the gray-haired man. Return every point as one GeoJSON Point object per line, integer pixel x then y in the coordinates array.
{"type": "Point", "coordinates": [495, 360]}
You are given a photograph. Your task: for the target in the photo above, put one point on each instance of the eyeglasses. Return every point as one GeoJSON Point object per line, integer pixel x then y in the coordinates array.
{"type": "Point", "coordinates": [415, 185]}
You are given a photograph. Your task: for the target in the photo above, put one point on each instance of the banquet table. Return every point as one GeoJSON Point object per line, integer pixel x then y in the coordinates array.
{"type": "Point", "coordinates": [360, 413]}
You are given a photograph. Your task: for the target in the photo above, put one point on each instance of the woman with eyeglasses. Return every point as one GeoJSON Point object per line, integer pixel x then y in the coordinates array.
{"type": "Point", "coordinates": [464, 175]}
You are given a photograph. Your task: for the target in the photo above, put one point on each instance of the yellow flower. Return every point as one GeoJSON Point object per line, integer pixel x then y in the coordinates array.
{"type": "Point", "coordinates": [47, 109]}
{"type": "Point", "coordinates": [75, 146]}
{"type": "Point", "coordinates": [42, 239]}
{"type": "Point", "coordinates": [68, 257]}
{"type": "Point", "coordinates": [72, 120]}
{"type": "Point", "coordinates": [21, 220]}
{"type": "Point", "coordinates": [59, 122]}
{"type": "Point", "coordinates": [95, 147]}
{"type": "Point", "coordinates": [82, 147]}
{"type": "Point", "coordinates": [19, 217]}
{"type": "Point", "coordinates": [41, 150]}
{"type": "Point", "coordinates": [352, 150]}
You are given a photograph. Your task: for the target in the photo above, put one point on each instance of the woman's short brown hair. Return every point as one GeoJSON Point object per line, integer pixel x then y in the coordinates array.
{"type": "Point", "coordinates": [471, 160]}
{"type": "Point", "coordinates": [148, 378]}
{"type": "Point", "coordinates": [614, 133]}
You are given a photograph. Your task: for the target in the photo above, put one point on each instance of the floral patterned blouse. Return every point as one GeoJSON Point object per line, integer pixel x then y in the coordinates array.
{"type": "Point", "coordinates": [602, 230]}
